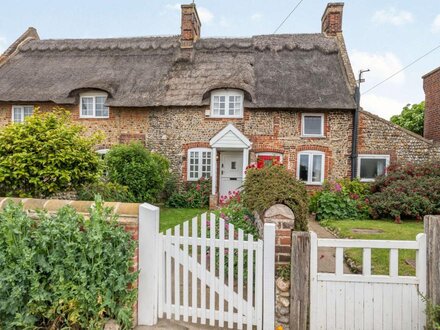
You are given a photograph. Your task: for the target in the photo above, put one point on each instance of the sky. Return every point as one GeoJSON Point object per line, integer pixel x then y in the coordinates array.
{"type": "Point", "coordinates": [383, 36]}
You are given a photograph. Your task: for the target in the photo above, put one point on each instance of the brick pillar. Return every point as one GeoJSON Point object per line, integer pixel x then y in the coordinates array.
{"type": "Point", "coordinates": [284, 220]}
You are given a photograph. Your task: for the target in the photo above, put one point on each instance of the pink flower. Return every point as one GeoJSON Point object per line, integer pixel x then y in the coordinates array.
{"type": "Point", "coordinates": [338, 187]}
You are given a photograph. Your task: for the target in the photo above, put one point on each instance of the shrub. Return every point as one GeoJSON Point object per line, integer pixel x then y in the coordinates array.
{"type": "Point", "coordinates": [409, 191]}
{"type": "Point", "coordinates": [342, 199]}
{"type": "Point", "coordinates": [191, 195]}
{"type": "Point", "coordinates": [64, 271]}
{"type": "Point", "coordinates": [142, 171]}
{"type": "Point", "coordinates": [45, 155]}
{"type": "Point", "coordinates": [275, 184]}
{"type": "Point", "coordinates": [109, 191]}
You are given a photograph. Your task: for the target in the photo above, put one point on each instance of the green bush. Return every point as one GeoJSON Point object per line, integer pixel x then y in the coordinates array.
{"type": "Point", "coordinates": [45, 155]}
{"type": "Point", "coordinates": [275, 184]}
{"type": "Point", "coordinates": [109, 191]}
{"type": "Point", "coordinates": [342, 199]}
{"type": "Point", "coordinates": [64, 271]}
{"type": "Point", "coordinates": [191, 195]}
{"type": "Point", "coordinates": [407, 191]}
{"type": "Point", "coordinates": [142, 171]}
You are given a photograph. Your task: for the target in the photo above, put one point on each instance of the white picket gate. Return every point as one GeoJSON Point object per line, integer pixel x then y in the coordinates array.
{"type": "Point", "coordinates": [207, 273]}
{"type": "Point", "coordinates": [366, 301]}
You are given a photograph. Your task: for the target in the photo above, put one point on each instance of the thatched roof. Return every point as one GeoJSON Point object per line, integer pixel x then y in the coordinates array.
{"type": "Point", "coordinates": [276, 71]}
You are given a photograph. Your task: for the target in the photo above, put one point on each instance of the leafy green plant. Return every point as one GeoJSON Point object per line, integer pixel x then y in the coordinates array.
{"type": "Point", "coordinates": [412, 117]}
{"type": "Point", "coordinates": [142, 171]}
{"type": "Point", "coordinates": [275, 184]}
{"type": "Point", "coordinates": [284, 271]}
{"type": "Point", "coordinates": [342, 199]}
{"type": "Point", "coordinates": [45, 155]}
{"type": "Point", "coordinates": [432, 314]}
{"type": "Point", "coordinates": [191, 195]}
{"type": "Point", "coordinates": [65, 271]}
{"type": "Point", "coordinates": [109, 191]}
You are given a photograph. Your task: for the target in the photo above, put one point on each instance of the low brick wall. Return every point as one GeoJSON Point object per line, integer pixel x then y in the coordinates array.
{"type": "Point", "coordinates": [128, 216]}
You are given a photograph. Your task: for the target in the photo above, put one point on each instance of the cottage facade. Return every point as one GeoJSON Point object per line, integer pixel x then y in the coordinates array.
{"type": "Point", "coordinates": [214, 105]}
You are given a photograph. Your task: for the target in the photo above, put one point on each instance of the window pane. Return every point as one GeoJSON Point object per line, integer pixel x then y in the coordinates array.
{"type": "Point", "coordinates": [101, 109]}
{"type": "Point", "coordinates": [28, 112]}
{"type": "Point", "coordinates": [370, 168]}
{"type": "Point", "coordinates": [303, 167]}
{"type": "Point", "coordinates": [206, 164]}
{"type": "Point", "coordinates": [194, 165]}
{"type": "Point", "coordinates": [18, 114]}
{"type": "Point", "coordinates": [87, 106]}
{"type": "Point", "coordinates": [312, 125]}
{"type": "Point", "coordinates": [317, 167]}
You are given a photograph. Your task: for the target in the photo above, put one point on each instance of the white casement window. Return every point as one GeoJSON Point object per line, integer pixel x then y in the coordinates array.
{"type": "Point", "coordinates": [227, 103]}
{"type": "Point", "coordinates": [92, 105]}
{"type": "Point", "coordinates": [311, 167]}
{"type": "Point", "coordinates": [199, 163]}
{"type": "Point", "coordinates": [20, 112]}
{"type": "Point", "coordinates": [371, 166]}
{"type": "Point", "coordinates": [312, 125]}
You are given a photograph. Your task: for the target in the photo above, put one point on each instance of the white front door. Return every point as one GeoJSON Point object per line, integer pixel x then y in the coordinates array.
{"type": "Point", "coordinates": [231, 171]}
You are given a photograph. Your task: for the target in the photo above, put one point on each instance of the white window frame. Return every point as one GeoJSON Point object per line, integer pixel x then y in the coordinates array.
{"type": "Point", "coordinates": [199, 171]}
{"type": "Point", "coordinates": [303, 133]}
{"type": "Point", "coordinates": [311, 154]}
{"type": "Point", "coordinates": [93, 95]}
{"type": "Point", "coordinates": [367, 156]}
{"type": "Point", "coordinates": [227, 93]}
{"type": "Point", "coordinates": [21, 107]}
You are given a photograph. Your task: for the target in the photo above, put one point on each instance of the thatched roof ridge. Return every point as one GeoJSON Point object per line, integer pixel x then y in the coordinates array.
{"type": "Point", "coordinates": [276, 71]}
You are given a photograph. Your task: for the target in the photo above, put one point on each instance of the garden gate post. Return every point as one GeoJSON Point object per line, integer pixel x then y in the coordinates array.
{"type": "Point", "coordinates": [148, 264]}
{"type": "Point", "coordinates": [432, 231]}
{"type": "Point", "coordinates": [269, 276]}
{"type": "Point", "coordinates": [300, 281]}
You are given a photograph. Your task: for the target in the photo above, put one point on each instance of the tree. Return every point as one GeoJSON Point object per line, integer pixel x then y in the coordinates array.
{"type": "Point", "coordinates": [412, 117]}
{"type": "Point", "coordinates": [46, 154]}
{"type": "Point", "coordinates": [142, 171]}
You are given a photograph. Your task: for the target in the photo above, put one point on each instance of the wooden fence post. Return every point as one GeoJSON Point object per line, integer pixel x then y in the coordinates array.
{"type": "Point", "coordinates": [300, 281]}
{"type": "Point", "coordinates": [432, 231]}
{"type": "Point", "coordinates": [148, 264]}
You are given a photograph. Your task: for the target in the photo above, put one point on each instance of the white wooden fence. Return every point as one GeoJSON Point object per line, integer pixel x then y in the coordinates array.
{"type": "Point", "coordinates": [206, 272]}
{"type": "Point", "coordinates": [366, 301]}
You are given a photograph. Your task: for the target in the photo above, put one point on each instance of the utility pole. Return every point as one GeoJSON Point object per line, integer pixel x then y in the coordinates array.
{"type": "Point", "coordinates": [354, 151]}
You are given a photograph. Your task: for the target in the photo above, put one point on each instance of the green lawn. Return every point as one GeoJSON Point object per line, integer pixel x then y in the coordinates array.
{"type": "Point", "coordinates": [172, 217]}
{"type": "Point", "coordinates": [408, 230]}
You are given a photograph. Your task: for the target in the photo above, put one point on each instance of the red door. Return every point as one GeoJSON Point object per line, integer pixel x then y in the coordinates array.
{"type": "Point", "coordinates": [268, 160]}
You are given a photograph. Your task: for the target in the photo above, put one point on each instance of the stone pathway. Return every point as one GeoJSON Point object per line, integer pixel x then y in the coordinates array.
{"type": "Point", "coordinates": [326, 256]}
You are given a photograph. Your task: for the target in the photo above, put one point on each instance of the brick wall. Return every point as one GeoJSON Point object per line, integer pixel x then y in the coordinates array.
{"type": "Point", "coordinates": [431, 86]}
{"type": "Point", "coordinates": [172, 130]}
{"type": "Point", "coordinates": [379, 136]}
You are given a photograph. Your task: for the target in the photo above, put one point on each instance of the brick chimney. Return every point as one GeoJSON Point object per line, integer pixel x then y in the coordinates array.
{"type": "Point", "coordinates": [190, 26]}
{"type": "Point", "coordinates": [331, 21]}
{"type": "Point", "coordinates": [431, 86]}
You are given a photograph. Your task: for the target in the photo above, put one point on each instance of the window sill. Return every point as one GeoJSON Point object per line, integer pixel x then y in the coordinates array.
{"type": "Point", "coordinates": [90, 117]}
{"type": "Point", "coordinates": [313, 136]}
{"type": "Point", "coordinates": [225, 117]}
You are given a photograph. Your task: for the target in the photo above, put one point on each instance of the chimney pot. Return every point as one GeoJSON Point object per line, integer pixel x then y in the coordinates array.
{"type": "Point", "coordinates": [191, 25]}
{"type": "Point", "coordinates": [331, 21]}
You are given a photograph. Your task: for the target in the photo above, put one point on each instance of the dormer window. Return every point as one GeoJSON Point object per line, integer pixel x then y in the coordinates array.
{"type": "Point", "coordinates": [92, 105]}
{"type": "Point", "coordinates": [227, 103]}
